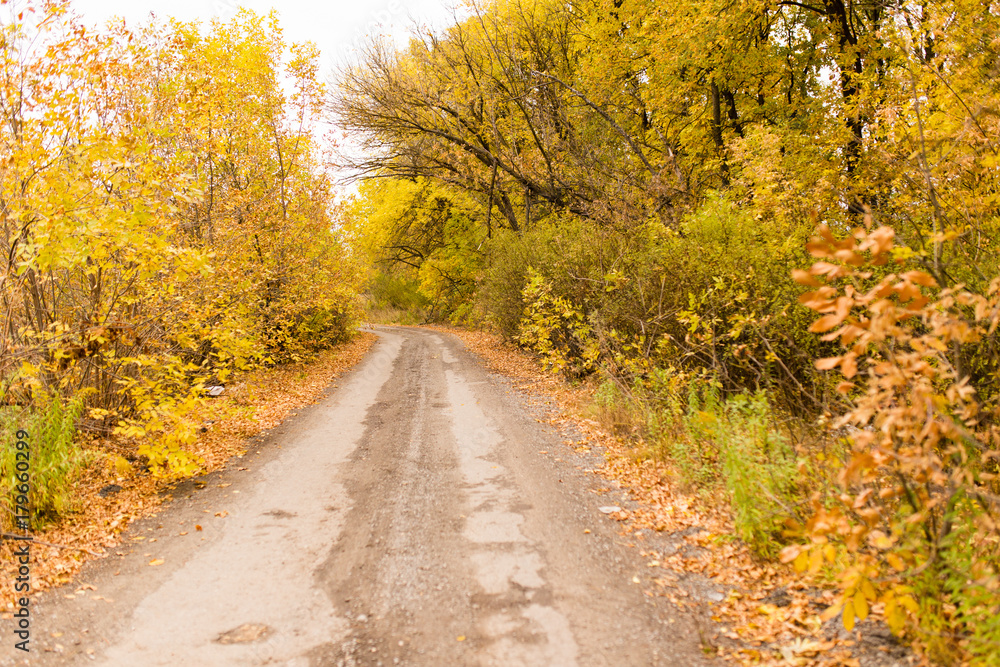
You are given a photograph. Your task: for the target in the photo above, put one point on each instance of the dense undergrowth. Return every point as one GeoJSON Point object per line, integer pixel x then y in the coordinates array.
{"type": "Point", "coordinates": [767, 233]}
{"type": "Point", "coordinates": [51, 465]}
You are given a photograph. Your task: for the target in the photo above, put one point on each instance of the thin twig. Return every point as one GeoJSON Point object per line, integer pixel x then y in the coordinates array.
{"type": "Point", "coordinates": [28, 538]}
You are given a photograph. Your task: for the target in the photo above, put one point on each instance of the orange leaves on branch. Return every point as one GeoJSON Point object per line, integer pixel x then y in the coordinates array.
{"type": "Point", "coordinates": [828, 363]}
{"type": "Point", "coordinates": [879, 242]}
{"type": "Point", "coordinates": [819, 299]}
{"type": "Point", "coordinates": [920, 278]}
{"type": "Point", "coordinates": [803, 277]}
{"type": "Point", "coordinates": [922, 435]}
{"type": "Point", "coordinates": [825, 323]}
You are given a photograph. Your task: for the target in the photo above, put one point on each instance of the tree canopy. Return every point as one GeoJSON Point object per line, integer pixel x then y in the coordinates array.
{"type": "Point", "coordinates": [165, 217]}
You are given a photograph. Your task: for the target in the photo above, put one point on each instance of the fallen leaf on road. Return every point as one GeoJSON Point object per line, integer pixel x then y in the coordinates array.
{"type": "Point", "coordinates": [156, 561]}
{"type": "Point", "coordinates": [197, 526]}
{"type": "Point", "coordinates": [246, 633]}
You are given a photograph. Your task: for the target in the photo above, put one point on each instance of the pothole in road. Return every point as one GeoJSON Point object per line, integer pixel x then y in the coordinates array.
{"type": "Point", "coordinates": [244, 634]}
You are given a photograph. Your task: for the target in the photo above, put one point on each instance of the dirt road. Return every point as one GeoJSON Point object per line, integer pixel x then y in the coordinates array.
{"type": "Point", "coordinates": [418, 515]}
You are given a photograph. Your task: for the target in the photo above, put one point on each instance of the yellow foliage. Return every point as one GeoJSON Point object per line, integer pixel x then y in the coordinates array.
{"type": "Point", "coordinates": [166, 218]}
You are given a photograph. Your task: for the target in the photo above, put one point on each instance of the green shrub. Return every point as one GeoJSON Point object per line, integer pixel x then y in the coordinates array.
{"type": "Point", "coordinates": [963, 593]}
{"type": "Point", "coordinates": [319, 328]}
{"type": "Point", "coordinates": [734, 443]}
{"type": "Point", "coordinates": [55, 458]}
{"type": "Point", "coordinates": [713, 442]}
{"type": "Point", "coordinates": [712, 295]}
{"type": "Point", "coordinates": [614, 407]}
{"type": "Point", "coordinates": [392, 290]}
{"type": "Point", "coordinates": [759, 471]}
{"type": "Point", "coordinates": [501, 289]}
{"type": "Point", "coordinates": [696, 452]}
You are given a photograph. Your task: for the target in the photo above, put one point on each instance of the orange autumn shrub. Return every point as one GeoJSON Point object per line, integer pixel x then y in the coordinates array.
{"type": "Point", "coordinates": [914, 528]}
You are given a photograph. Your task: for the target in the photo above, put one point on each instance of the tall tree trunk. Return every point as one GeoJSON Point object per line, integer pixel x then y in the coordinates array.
{"type": "Point", "coordinates": [717, 133]}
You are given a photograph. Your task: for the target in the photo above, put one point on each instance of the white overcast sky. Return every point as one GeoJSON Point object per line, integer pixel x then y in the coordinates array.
{"type": "Point", "coordinates": [334, 25]}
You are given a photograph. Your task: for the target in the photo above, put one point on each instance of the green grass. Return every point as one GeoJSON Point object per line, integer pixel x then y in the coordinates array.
{"type": "Point", "coordinates": [54, 458]}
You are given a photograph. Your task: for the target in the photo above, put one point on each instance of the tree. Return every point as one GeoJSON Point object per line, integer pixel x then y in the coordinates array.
{"type": "Point", "coordinates": [166, 219]}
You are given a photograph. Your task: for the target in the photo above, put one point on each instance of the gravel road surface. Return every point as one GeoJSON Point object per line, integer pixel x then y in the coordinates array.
{"type": "Point", "coordinates": [419, 514]}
